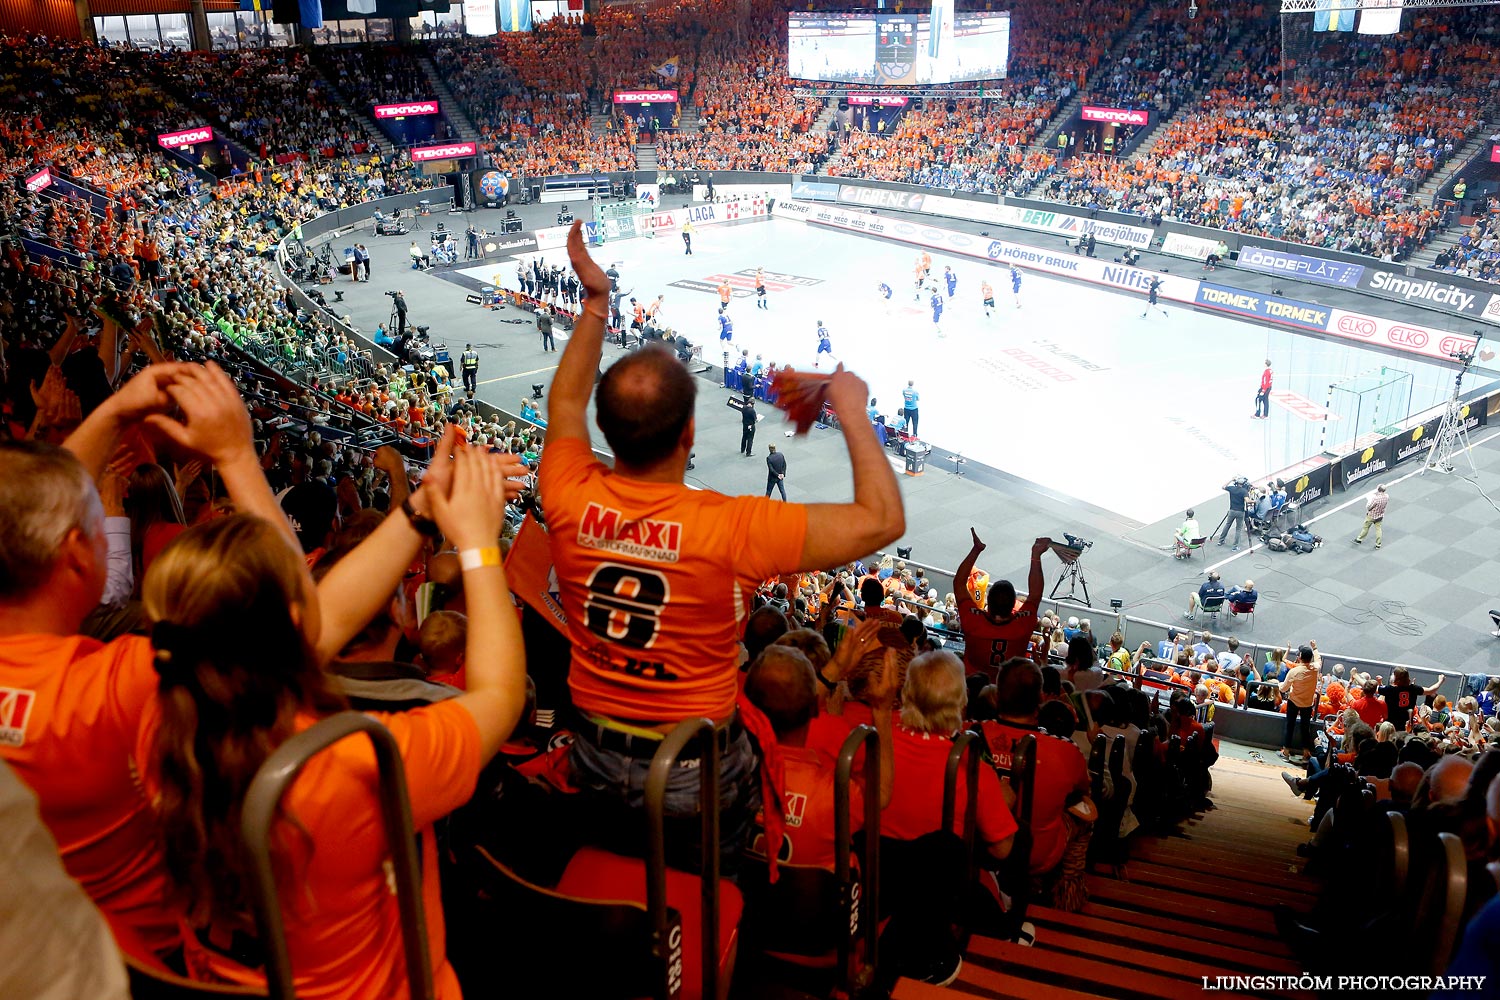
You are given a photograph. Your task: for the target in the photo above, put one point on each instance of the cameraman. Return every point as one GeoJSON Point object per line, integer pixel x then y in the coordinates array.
{"type": "Point", "coordinates": [1238, 489]}
{"type": "Point", "coordinates": [398, 302]}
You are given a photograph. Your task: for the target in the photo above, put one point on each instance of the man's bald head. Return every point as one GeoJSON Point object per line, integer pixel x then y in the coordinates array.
{"type": "Point", "coordinates": [1404, 781]}
{"type": "Point", "coordinates": [645, 403]}
{"type": "Point", "coordinates": [781, 684]}
{"type": "Point", "coordinates": [1448, 780]}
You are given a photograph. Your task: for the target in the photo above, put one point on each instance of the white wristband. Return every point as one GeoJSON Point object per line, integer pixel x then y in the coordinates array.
{"type": "Point", "coordinates": [479, 558]}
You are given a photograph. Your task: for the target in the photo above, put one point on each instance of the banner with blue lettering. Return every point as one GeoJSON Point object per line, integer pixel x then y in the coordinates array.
{"type": "Point", "coordinates": [1296, 265]}
{"type": "Point", "coordinates": [1288, 312]}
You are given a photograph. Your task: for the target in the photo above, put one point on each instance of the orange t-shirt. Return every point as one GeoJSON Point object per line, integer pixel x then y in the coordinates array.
{"type": "Point", "coordinates": [1061, 773]}
{"type": "Point", "coordinates": [988, 644]}
{"type": "Point", "coordinates": [69, 710]}
{"type": "Point", "coordinates": [916, 807]}
{"type": "Point", "coordinates": [656, 580]}
{"type": "Point", "coordinates": [343, 928]}
{"type": "Point", "coordinates": [807, 838]}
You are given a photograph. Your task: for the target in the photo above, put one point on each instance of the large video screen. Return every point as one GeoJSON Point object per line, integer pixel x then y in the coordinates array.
{"type": "Point", "coordinates": [877, 49]}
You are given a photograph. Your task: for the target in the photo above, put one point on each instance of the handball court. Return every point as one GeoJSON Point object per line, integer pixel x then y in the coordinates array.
{"type": "Point", "coordinates": [1158, 421]}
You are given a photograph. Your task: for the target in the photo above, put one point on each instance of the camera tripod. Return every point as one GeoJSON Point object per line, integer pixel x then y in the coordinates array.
{"type": "Point", "coordinates": [1072, 575]}
{"type": "Point", "coordinates": [1218, 531]}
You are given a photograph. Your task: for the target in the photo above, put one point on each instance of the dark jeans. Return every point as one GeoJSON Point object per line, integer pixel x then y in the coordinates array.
{"type": "Point", "coordinates": [1236, 518]}
{"type": "Point", "coordinates": [614, 789]}
{"type": "Point", "coordinates": [747, 439]}
{"type": "Point", "coordinates": [1262, 404]}
{"type": "Point", "coordinates": [775, 483]}
{"type": "Point", "coordinates": [1293, 713]}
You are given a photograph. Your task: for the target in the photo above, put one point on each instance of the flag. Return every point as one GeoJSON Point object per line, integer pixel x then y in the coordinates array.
{"type": "Point", "coordinates": [1384, 19]}
{"type": "Point", "coordinates": [255, 5]}
{"type": "Point", "coordinates": [1334, 15]}
{"type": "Point", "coordinates": [668, 69]}
{"type": "Point", "coordinates": [531, 575]}
{"type": "Point", "coordinates": [515, 15]}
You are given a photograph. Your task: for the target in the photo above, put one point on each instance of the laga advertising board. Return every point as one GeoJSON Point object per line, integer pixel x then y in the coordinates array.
{"type": "Point", "coordinates": [39, 181]}
{"type": "Point", "coordinates": [443, 151]}
{"type": "Point", "coordinates": [1296, 265]}
{"type": "Point", "coordinates": [409, 109]}
{"type": "Point", "coordinates": [716, 214]}
{"type": "Point", "coordinates": [878, 100]}
{"type": "Point", "coordinates": [1407, 338]}
{"type": "Point", "coordinates": [906, 201]}
{"type": "Point", "coordinates": [186, 137]}
{"type": "Point", "coordinates": [1116, 116]}
{"type": "Point", "coordinates": [1366, 462]}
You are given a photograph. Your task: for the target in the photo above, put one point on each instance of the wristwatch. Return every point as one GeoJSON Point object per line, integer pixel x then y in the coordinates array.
{"type": "Point", "coordinates": [830, 685]}
{"type": "Point", "coordinates": [424, 524]}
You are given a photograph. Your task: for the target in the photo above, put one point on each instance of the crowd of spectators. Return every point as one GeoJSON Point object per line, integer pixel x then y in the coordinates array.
{"type": "Point", "coordinates": [1272, 153]}
{"type": "Point", "coordinates": [272, 101]}
{"type": "Point", "coordinates": [1477, 252]}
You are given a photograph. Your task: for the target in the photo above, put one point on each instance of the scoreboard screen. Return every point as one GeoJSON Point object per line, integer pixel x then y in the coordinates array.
{"type": "Point", "coordinates": [875, 49]}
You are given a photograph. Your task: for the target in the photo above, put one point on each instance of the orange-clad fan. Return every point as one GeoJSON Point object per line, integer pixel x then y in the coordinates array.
{"type": "Point", "coordinates": [74, 707]}
{"type": "Point", "coordinates": [932, 712]}
{"type": "Point", "coordinates": [1062, 775]}
{"type": "Point", "coordinates": [656, 577]}
{"type": "Point", "coordinates": [999, 630]}
{"type": "Point", "coordinates": [784, 685]}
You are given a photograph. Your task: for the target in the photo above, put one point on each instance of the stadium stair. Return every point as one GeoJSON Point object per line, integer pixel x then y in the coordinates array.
{"type": "Point", "coordinates": [1146, 145]}
{"type": "Point", "coordinates": [1192, 902]}
{"type": "Point", "coordinates": [458, 120]}
{"type": "Point", "coordinates": [363, 118]}
{"type": "Point", "coordinates": [1428, 193]}
{"type": "Point", "coordinates": [645, 156]}
{"type": "Point", "coordinates": [690, 121]}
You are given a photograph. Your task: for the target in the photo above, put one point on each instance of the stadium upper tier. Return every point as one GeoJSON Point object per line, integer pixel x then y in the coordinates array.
{"type": "Point", "coordinates": [1327, 148]}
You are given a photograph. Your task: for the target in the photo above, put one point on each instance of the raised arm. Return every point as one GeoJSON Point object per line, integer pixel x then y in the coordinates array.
{"type": "Point", "coordinates": [839, 532]}
{"type": "Point", "coordinates": [961, 575]}
{"type": "Point", "coordinates": [1035, 582]}
{"type": "Point", "coordinates": [213, 422]}
{"type": "Point", "coordinates": [95, 439]}
{"type": "Point", "coordinates": [361, 583]}
{"type": "Point", "coordinates": [471, 516]}
{"type": "Point", "coordinates": [1433, 688]}
{"type": "Point", "coordinates": [568, 399]}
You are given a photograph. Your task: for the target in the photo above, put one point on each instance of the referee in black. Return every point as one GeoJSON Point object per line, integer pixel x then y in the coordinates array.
{"type": "Point", "coordinates": [468, 363]}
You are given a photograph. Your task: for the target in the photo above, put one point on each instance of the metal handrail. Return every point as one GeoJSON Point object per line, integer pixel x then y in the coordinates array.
{"type": "Point", "coordinates": [263, 802]}
{"type": "Point", "coordinates": [662, 764]}
{"type": "Point", "coordinates": [868, 910]}
{"type": "Point", "coordinates": [965, 742]}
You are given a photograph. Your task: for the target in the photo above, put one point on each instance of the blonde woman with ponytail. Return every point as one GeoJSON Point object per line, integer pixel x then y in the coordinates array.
{"type": "Point", "coordinates": [237, 635]}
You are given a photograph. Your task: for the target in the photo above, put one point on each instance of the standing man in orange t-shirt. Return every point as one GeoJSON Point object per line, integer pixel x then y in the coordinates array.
{"type": "Point", "coordinates": [656, 577]}
{"type": "Point", "coordinates": [1000, 630]}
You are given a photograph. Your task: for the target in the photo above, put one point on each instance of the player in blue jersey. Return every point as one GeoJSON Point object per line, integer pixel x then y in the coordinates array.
{"type": "Point", "coordinates": [937, 311]}
{"type": "Point", "coordinates": [825, 344]}
{"type": "Point", "coordinates": [726, 325]}
{"type": "Point", "coordinates": [1015, 284]}
{"type": "Point", "coordinates": [951, 280]}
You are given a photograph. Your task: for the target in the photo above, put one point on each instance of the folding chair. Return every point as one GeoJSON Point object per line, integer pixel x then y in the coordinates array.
{"type": "Point", "coordinates": [262, 804]}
